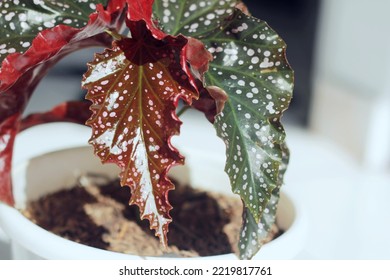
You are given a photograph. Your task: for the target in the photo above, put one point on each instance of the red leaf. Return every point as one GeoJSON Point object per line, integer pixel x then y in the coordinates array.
{"type": "Point", "coordinates": [143, 10]}
{"type": "Point", "coordinates": [211, 102]}
{"type": "Point", "coordinates": [195, 62]}
{"type": "Point", "coordinates": [198, 57]}
{"type": "Point", "coordinates": [7, 137]}
{"type": "Point", "coordinates": [212, 99]}
{"type": "Point", "coordinates": [135, 87]}
{"type": "Point", "coordinates": [20, 73]}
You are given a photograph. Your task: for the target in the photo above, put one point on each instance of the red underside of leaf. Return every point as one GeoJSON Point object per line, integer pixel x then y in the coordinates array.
{"type": "Point", "coordinates": [20, 73]}
{"type": "Point", "coordinates": [206, 104]}
{"type": "Point", "coordinates": [143, 10]}
{"type": "Point", "coordinates": [198, 57]}
{"type": "Point", "coordinates": [133, 119]}
{"type": "Point", "coordinates": [7, 132]}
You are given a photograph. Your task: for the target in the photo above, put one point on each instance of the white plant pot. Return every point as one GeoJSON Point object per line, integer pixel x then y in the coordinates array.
{"type": "Point", "coordinates": [51, 156]}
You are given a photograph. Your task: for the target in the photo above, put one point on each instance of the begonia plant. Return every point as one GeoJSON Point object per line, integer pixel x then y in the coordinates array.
{"type": "Point", "coordinates": [208, 54]}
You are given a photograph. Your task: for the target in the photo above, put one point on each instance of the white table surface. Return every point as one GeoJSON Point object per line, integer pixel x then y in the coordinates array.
{"type": "Point", "coordinates": [347, 207]}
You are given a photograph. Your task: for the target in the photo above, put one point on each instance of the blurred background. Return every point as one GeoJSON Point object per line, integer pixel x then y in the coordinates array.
{"type": "Point", "coordinates": [338, 126]}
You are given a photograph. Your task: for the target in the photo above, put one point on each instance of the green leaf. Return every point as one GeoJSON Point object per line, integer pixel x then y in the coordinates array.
{"type": "Point", "coordinates": [250, 65]}
{"type": "Point", "coordinates": [192, 18]}
{"type": "Point", "coordinates": [254, 233]}
{"type": "Point", "coordinates": [21, 21]}
{"type": "Point", "coordinates": [134, 88]}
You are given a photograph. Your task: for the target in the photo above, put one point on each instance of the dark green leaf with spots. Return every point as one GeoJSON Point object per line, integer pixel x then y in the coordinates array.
{"type": "Point", "coordinates": [21, 21]}
{"type": "Point", "coordinates": [254, 234]}
{"type": "Point", "coordinates": [250, 65]}
{"type": "Point", "coordinates": [192, 18]}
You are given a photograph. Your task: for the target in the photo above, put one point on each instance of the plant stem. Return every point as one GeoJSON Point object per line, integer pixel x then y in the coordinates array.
{"type": "Point", "coordinates": [182, 110]}
{"type": "Point", "coordinates": [114, 34]}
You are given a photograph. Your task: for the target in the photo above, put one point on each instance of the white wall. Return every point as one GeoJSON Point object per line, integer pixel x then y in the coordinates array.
{"type": "Point", "coordinates": [351, 103]}
{"type": "Point", "coordinates": [354, 43]}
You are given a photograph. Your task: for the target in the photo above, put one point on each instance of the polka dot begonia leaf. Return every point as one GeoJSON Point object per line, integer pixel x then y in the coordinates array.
{"type": "Point", "coordinates": [134, 88]}
{"type": "Point", "coordinates": [249, 64]}
{"type": "Point", "coordinates": [251, 67]}
{"type": "Point", "coordinates": [254, 233]}
{"type": "Point", "coordinates": [21, 21]}
{"type": "Point", "coordinates": [192, 18]}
